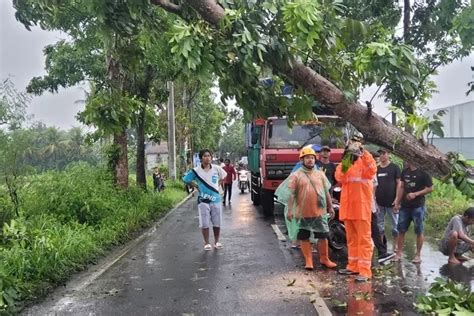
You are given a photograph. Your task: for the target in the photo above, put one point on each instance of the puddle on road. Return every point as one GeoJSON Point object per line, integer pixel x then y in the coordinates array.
{"type": "Point", "coordinates": [394, 289]}
{"type": "Point", "coordinates": [434, 264]}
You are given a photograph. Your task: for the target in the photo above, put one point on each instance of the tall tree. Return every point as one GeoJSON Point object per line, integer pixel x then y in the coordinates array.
{"type": "Point", "coordinates": [315, 45]}
{"type": "Point", "coordinates": [233, 140]}
{"type": "Point", "coordinates": [301, 40]}
{"type": "Point", "coordinates": [120, 60]}
{"type": "Point", "coordinates": [12, 105]}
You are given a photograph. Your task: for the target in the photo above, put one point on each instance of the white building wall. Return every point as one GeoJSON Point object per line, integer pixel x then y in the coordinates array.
{"type": "Point", "coordinates": [458, 129]}
{"type": "Point", "coordinates": [458, 120]}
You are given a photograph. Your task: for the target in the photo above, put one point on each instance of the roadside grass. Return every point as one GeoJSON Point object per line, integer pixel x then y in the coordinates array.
{"type": "Point", "coordinates": [443, 203]}
{"type": "Point", "coordinates": [68, 220]}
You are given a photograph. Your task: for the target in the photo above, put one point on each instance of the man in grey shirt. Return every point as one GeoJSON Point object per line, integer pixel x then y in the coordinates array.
{"type": "Point", "coordinates": [456, 240]}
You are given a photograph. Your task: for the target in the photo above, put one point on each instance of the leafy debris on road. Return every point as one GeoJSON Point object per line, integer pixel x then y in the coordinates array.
{"type": "Point", "coordinates": [112, 292]}
{"type": "Point", "coordinates": [359, 295]}
{"type": "Point", "coordinates": [446, 298]}
{"type": "Point", "coordinates": [338, 305]}
{"type": "Point", "coordinates": [291, 283]}
{"type": "Point", "coordinates": [383, 272]}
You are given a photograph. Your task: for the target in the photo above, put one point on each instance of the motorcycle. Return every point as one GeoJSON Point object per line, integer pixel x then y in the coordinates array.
{"type": "Point", "coordinates": [243, 180]}
{"type": "Point", "coordinates": [337, 231]}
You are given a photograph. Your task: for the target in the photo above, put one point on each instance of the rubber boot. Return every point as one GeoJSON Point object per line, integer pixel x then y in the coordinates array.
{"type": "Point", "coordinates": [308, 255]}
{"type": "Point", "coordinates": [324, 254]}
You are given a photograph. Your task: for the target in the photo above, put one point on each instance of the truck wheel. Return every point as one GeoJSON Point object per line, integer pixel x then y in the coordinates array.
{"type": "Point", "coordinates": [255, 191]}
{"type": "Point", "coordinates": [267, 202]}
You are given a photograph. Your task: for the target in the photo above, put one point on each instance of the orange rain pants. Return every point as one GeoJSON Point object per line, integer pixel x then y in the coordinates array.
{"type": "Point", "coordinates": [356, 211]}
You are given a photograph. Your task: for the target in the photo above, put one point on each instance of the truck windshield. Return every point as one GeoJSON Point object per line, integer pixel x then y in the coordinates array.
{"type": "Point", "coordinates": [325, 132]}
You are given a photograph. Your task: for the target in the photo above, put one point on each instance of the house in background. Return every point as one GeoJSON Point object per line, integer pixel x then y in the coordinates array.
{"type": "Point", "coordinates": [458, 127]}
{"type": "Point", "coordinates": [156, 155]}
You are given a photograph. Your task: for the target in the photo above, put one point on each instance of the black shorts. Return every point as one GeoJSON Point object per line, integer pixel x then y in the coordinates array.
{"type": "Point", "coordinates": [304, 234]}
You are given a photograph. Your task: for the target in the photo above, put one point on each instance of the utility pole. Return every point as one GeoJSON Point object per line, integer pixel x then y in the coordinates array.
{"type": "Point", "coordinates": [171, 133]}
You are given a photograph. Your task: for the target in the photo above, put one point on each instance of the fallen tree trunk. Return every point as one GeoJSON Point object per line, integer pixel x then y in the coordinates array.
{"type": "Point", "coordinates": [374, 128]}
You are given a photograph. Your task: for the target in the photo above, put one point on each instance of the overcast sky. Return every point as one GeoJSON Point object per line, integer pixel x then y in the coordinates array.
{"type": "Point", "coordinates": [21, 58]}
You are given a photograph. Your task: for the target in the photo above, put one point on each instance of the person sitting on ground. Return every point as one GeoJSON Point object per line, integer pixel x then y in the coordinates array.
{"type": "Point", "coordinates": [456, 240]}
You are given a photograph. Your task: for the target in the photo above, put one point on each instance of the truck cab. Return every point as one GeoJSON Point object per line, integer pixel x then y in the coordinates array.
{"type": "Point", "coordinates": [273, 151]}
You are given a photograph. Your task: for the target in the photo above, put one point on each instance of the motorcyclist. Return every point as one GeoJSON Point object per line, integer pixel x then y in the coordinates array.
{"type": "Point", "coordinates": [242, 170]}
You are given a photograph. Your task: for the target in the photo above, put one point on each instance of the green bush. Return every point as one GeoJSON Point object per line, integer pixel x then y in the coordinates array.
{"type": "Point", "coordinates": [6, 209]}
{"type": "Point", "coordinates": [77, 194]}
{"type": "Point", "coordinates": [9, 290]}
{"type": "Point", "coordinates": [443, 203]}
{"type": "Point", "coordinates": [67, 219]}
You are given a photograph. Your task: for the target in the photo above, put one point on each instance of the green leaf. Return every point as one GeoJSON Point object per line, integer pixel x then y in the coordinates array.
{"type": "Point", "coordinates": [437, 128]}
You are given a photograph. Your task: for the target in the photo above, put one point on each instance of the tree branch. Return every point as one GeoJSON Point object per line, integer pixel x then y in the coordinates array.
{"type": "Point", "coordinates": [210, 10]}
{"type": "Point", "coordinates": [375, 128]}
{"type": "Point", "coordinates": [168, 6]}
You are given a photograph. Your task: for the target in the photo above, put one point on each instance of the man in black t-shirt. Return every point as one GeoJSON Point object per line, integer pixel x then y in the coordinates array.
{"type": "Point", "coordinates": [410, 202]}
{"type": "Point", "coordinates": [388, 179]}
{"type": "Point", "coordinates": [325, 165]}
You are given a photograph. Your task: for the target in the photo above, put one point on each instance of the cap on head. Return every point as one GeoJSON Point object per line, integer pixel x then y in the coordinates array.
{"type": "Point", "coordinates": [375, 154]}
{"type": "Point", "coordinates": [307, 151]}
{"type": "Point", "coordinates": [326, 148]}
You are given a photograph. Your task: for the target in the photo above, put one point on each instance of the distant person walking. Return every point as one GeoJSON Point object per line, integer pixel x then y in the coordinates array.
{"type": "Point", "coordinates": [388, 179]}
{"type": "Point", "coordinates": [228, 181]}
{"type": "Point", "coordinates": [158, 181]}
{"type": "Point", "coordinates": [207, 178]}
{"type": "Point", "coordinates": [414, 185]}
{"type": "Point", "coordinates": [356, 209]}
{"type": "Point", "coordinates": [309, 202]}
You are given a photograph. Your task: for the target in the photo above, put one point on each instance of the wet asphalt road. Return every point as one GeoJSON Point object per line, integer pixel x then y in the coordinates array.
{"type": "Point", "coordinates": [167, 272]}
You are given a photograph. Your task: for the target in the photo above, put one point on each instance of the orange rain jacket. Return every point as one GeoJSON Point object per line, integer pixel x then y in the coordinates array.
{"type": "Point", "coordinates": [357, 188]}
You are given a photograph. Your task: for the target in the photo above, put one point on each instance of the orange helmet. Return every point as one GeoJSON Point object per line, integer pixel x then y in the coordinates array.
{"type": "Point", "coordinates": [307, 151]}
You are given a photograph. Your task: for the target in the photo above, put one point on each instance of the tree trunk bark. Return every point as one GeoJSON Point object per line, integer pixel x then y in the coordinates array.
{"type": "Point", "coordinates": [121, 167]}
{"type": "Point", "coordinates": [140, 172]}
{"type": "Point", "coordinates": [406, 39]}
{"type": "Point", "coordinates": [406, 20]}
{"type": "Point", "coordinates": [144, 94]}
{"type": "Point", "coordinates": [375, 128]}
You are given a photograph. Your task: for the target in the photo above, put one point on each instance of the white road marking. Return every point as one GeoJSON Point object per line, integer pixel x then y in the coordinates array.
{"type": "Point", "coordinates": [278, 232]}
{"type": "Point", "coordinates": [320, 305]}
